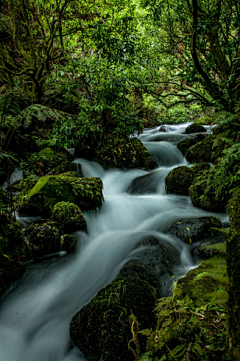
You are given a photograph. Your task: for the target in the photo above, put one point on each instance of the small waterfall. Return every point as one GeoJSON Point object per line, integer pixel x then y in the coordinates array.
{"type": "Point", "coordinates": [34, 318]}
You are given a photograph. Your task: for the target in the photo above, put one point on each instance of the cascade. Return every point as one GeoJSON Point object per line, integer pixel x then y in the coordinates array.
{"type": "Point", "coordinates": [35, 317]}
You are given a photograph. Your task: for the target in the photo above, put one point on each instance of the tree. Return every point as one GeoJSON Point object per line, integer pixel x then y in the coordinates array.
{"type": "Point", "coordinates": [203, 39]}
{"type": "Point", "coordinates": [36, 35]}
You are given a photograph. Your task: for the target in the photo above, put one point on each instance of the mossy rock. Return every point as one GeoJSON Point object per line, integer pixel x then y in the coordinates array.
{"type": "Point", "coordinates": [86, 193]}
{"type": "Point", "coordinates": [206, 251]}
{"type": "Point", "coordinates": [43, 239]}
{"type": "Point", "coordinates": [200, 283]}
{"type": "Point", "coordinates": [50, 160]}
{"type": "Point", "coordinates": [195, 128]}
{"type": "Point", "coordinates": [69, 243]}
{"type": "Point", "coordinates": [102, 330]}
{"type": "Point", "coordinates": [124, 154]}
{"type": "Point", "coordinates": [189, 322]}
{"type": "Point", "coordinates": [188, 142]}
{"type": "Point", "coordinates": [195, 229]}
{"type": "Point", "coordinates": [181, 178]}
{"type": "Point", "coordinates": [203, 196]}
{"type": "Point", "coordinates": [201, 151]}
{"type": "Point", "coordinates": [68, 216]}
{"type": "Point", "coordinates": [12, 253]}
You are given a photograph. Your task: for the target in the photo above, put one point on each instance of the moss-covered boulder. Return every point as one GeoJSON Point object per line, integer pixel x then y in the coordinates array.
{"type": "Point", "coordinates": [42, 239]}
{"type": "Point", "coordinates": [124, 154]}
{"type": "Point", "coordinates": [102, 329]}
{"type": "Point", "coordinates": [189, 322]}
{"type": "Point", "coordinates": [12, 253]}
{"type": "Point", "coordinates": [206, 250]}
{"type": "Point", "coordinates": [86, 193]}
{"type": "Point", "coordinates": [69, 243]}
{"type": "Point", "coordinates": [212, 189]}
{"type": "Point", "coordinates": [50, 160]}
{"type": "Point", "coordinates": [195, 229]}
{"type": "Point", "coordinates": [188, 142]}
{"type": "Point", "coordinates": [181, 178]}
{"type": "Point", "coordinates": [68, 217]}
{"type": "Point", "coordinates": [195, 128]}
{"type": "Point", "coordinates": [201, 151]}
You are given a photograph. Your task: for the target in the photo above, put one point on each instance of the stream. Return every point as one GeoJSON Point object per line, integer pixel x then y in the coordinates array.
{"type": "Point", "coordinates": [35, 315]}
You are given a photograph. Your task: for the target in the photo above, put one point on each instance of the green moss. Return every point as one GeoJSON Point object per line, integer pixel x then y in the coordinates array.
{"type": "Point", "coordinates": [200, 152]}
{"type": "Point", "coordinates": [12, 253]}
{"type": "Point", "coordinates": [124, 153]}
{"type": "Point", "coordinates": [195, 128]}
{"type": "Point", "coordinates": [69, 243]}
{"type": "Point", "coordinates": [49, 160]}
{"type": "Point", "coordinates": [189, 322]}
{"type": "Point", "coordinates": [181, 178]}
{"type": "Point", "coordinates": [101, 329]}
{"type": "Point", "coordinates": [86, 193]}
{"type": "Point", "coordinates": [69, 217]}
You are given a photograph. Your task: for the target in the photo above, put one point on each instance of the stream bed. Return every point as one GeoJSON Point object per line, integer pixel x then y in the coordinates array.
{"type": "Point", "coordinates": [35, 315]}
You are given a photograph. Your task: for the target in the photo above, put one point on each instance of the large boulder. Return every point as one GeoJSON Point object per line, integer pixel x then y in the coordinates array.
{"type": "Point", "coordinates": [201, 151]}
{"type": "Point", "coordinates": [181, 178]}
{"type": "Point", "coordinates": [12, 252]}
{"type": "Point", "coordinates": [86, 193]}
{"type": "Point", "coordinates": [189, 322]}
{"type": "Point", "coordinates": [50, 160]}
{"type": "Point", "coordinates": [195, 229]}
{"type": "Point", "coordinates": [102, 328]}
{"type": "Point", "coordinates": [212, 189]}
{"type": "Point", "coordinates": [68, 217]}
{"type": "Point", "coordinates": [195, 128]}
{"type": "Point", "coordinates": [188, 142]}
{"type": "Point", "coordinates": [121, 153]}
{"type": "Point", "coordinates": [46, 238]}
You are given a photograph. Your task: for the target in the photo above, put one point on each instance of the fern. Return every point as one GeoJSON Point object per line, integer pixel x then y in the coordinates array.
{"type": "Point", "coordinates": [41, 113]}
{"type": "Point", "coordinates": [13, 101]}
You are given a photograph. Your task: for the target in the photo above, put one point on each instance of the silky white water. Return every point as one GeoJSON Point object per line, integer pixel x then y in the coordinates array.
{"type": "Point", "coordinates": [35, 317]}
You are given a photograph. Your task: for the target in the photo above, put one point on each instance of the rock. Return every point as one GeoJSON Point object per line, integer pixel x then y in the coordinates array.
{"type": "Point", "coordinates": [145, 184]}
{"type": "Point", "coordinates": [86, 193]}
{"type": "Point", "coordinates": [181, 178]}
{"type": "Point", "coordinates": [163, 128]}
{"type": "Point", "coordinates": [43, 239]}
{"type": "Point", "coordinates": [203, 195]}
{"type": "Point", "coordinates": [188, 142]}
{"type": "Point", "coordinates": [195, 128]}
{"type": "Point", "coordinates": [12, 253]}
{"type": "Point", "coordinates": [158, 259]}
{"type": "Point", "coordinates": [101, 329]}
{"type": "Point", "coordinates": [124, 154]}
{"type": "Point", "coordinates": [196, 308]}
{"type": "Point", "coordinates": [201, 151]}
{"type": "Point", "coordinates": [195, 229]}
{"type": "Point", "coordinates": [199, 283]}
{"type": "Point", "coordinates": [206, 251]}
{"type": "Point", "coordinates": [69, 243]}
{"type": "Point", "coordinates": [68, 217]}
{"type": "Point", "coordinates": [52, 160]}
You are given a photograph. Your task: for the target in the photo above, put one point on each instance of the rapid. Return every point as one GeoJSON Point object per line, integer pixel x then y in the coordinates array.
{"type": "Point", "coordinates": [35, 315]}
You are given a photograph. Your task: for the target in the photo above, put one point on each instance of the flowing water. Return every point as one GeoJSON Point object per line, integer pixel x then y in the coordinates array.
{"type": "Point", "coordinates": [35, 316]}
